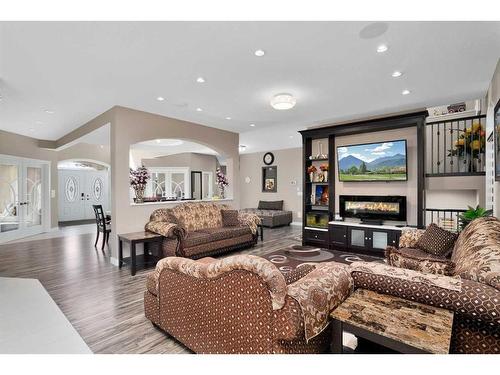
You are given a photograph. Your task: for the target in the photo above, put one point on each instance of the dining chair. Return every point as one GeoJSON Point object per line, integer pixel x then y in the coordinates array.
{"type": "Point", "coordinates": [103, 225]}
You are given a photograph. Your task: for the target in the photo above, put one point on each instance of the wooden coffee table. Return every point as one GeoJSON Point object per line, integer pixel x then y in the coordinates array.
{"type": "Point", "coordinates": [395, 323]}
{"type": "Point", "coordinates": [133, 239]}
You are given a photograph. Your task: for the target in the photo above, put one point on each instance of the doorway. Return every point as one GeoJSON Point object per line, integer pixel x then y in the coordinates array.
{"type": "Point", "coordinates": [24, 197]}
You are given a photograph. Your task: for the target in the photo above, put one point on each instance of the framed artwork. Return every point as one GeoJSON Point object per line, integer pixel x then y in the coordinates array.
{"type": "Point", "coordinates": [269, 179]}
{"type": "Point", "coordinates": [496, 138]}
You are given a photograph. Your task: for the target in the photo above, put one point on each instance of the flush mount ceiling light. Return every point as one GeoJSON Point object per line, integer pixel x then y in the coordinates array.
{"type": "Point", "coordinates": [252, 125]}
{"type": "Point", "coordinates": [158, 141]}
{"type": "Point", "coordinates": [242, 147]}
{"type": "Point", "coordinates": [283, 101]}
{"type": "Point", "coordinates": [160, 98]}
{"type": "Point", "coordinates": [228, 118]}
{"type": "Point", "coordinates": [200, 80]}
{"type": "Point", "coordinates": [397, 74]}
{"type": "Point", "coordinates": [405, 92]}
{"type": "Point", "coordinates": [259, 53]}
{"type": "Point", "coordinates": [382, 48]}
{"type": "Point", "coordinates": [199, 109]}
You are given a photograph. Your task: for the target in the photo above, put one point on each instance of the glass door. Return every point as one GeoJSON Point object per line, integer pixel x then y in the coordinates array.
{"type": "Point", "coordinates": [23, 203]}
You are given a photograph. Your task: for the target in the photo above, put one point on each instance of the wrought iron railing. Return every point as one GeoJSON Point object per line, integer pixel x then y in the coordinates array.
{"type": "Point", "coordinates": [445, 218]}
{"type": "Point", "coordinates": [456, 147]}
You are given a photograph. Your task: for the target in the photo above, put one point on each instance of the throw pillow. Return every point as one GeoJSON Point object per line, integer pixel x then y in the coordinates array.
{"type": "Point", "coordinates": [270, 205]}
{"type": "Point", "coordinates": [230, 218]}
{"type": "Point", "coordinates": [437, 241]}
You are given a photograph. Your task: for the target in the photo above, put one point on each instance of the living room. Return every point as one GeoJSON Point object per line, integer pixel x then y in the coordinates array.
{"type": "Point", "coordinates": [250, 187]}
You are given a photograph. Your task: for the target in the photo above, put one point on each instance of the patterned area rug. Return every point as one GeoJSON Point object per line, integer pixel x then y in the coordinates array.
{"type": "Point", "coordinates": [289, 258]}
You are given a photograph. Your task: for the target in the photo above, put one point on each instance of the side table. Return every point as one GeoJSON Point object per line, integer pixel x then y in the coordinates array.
{"type": "Point", "coordinates": [133, 239]}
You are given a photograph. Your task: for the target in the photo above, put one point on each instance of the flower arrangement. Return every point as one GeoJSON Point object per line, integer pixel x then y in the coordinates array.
{"type": "Point", "coordinates": [471, 142]}
{"type": "Point", "coordinates": [138, 180]}
{"type": "Point", "coordinates": [324, 167]}
{"type": "Point", "coordinates": [221, 181]}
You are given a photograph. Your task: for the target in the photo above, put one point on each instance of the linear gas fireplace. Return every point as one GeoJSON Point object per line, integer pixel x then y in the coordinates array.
{"type": "Point", "coordinates": [373, 208]}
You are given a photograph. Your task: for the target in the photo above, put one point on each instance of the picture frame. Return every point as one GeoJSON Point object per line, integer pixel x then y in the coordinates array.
{"type": "Point", "coordinates": [269, 179]}
{"type": "Point", "coordinates": [496, 139]}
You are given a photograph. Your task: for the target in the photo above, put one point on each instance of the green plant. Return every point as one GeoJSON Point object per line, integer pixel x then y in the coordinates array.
{"type": "Point", "coordinates": [472, 214]}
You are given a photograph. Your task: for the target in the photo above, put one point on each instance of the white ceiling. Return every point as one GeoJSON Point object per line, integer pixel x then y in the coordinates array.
{"type": "Point", "coordinates": [81, 69]}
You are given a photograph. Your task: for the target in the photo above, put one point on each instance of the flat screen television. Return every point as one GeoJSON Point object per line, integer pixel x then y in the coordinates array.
{"type": "Point", "coordinates": [381, 161]}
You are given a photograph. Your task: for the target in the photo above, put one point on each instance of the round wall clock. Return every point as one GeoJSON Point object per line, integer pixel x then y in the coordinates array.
{"type": "Point", "coordinates": [268, 158]}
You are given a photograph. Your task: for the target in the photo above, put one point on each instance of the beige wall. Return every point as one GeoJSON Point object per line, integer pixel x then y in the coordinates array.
{"type": "Point", "coordinates": [289, 163]}
{"type": "Point", "coordinates": [130, 126]}
{"type": "Point", "coordinates": [492, 98]}
{"type": "Point", "coordinates": [406, 188]}
{"type": "Point", "coordinates": [86, 151]}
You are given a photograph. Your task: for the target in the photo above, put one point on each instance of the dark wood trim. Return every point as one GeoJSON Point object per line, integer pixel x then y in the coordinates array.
{"type": "Point", "coordinates": [495, 146]}
{"type": "Point", "coordinates": [455, 174]}
{"type": "Point", "coordinates": [456, 119]}
{"type": "Point", "coordinates": [421, 172]}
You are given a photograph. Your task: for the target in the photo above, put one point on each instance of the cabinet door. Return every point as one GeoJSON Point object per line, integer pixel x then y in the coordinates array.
{"type": "Point", "coordinates": [358, 238]}
{"type": "Point", "coordinates": [380, 239]}
{"type": "Point", "coordinates": [394, 240]}
{"type": "Point", "coordinates": [338, 236]}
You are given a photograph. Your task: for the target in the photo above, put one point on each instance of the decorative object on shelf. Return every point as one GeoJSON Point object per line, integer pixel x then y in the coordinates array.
{"type": "Point", "coordinates": [472, 214]}
{"type": "Point", "coordinates": [221, 182]}
{"type": "Point", "coordinates": [470, 145]}
{"type": "Point", "coordinates": [269, 179]}
{"type": "Point", "coordinates": [320, 154]}
{"type": "Point", "coordinates": [324, 172]}
{"type": "Point", "coordinates": [311, 170]}
{"type": "Point", "coordinates": [268, 158]}
{"type": "Point", "coordinates": [496, 139]}
{"type": "Point", "coordinates": [458, 107]}
{"type": "Point", "coordinates": [321, 195]}
{"type": "Point", "coordinates": [317, 220]}
{"type": "Point", "coordinates": [138, 179]}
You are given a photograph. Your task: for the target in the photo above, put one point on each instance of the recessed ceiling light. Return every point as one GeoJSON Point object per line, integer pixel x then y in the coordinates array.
{"type": "Point", "coordinates": [160, 98]}
{"type": "Point", "coordinates": [228, 118]}
{"type": "Point", "coordinates": [397, 74]}
{"type": "Point", "coordinates": [49, 111]}
{"type": "Point", "coordinates": [259, 53]}
{"type": "Point", "coordinates": [200, 80]}
{"type": "Point", "coordinates": [291, 136]}
{"type": "Point", "coordinates": [252, 125]}
{"type": "Point", "coordinates": [158, 141]}
{"type": "Point", "coordinates": [283, 101]}
{"type": "Point", "coordinates": [242, 147]}
{"type": "Point", "coordinates": [199, 109]}
{"type": "Point", "coordinates": [405, 92]}
{"type": "Point", "coordinates": [101, 146]}
{"type": "Point", "coordinates": [382, 48]}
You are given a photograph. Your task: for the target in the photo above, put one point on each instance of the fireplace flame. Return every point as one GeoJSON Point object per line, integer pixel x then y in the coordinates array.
{"type": "Point", "coordinates": [389, 207]}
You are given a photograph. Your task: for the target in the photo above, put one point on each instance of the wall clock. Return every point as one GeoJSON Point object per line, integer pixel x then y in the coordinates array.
{"type": "Point", "coordinates": [268, 158]}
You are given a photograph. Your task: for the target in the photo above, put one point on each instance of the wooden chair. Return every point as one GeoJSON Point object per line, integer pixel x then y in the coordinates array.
{"type": "Point", "coordinates": [103, 225]}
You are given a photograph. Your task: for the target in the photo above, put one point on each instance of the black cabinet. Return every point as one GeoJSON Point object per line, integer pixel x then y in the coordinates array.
{"type": "Point", "coordinates": [315, 237]}
{"type": "Point", "coordinates": [357, 238]}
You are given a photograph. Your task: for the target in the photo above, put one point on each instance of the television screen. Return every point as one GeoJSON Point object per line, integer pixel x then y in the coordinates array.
{"type": "Point", "coordinates": [384, 161]}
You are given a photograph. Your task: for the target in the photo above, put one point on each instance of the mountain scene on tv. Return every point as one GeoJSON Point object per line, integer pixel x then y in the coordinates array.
{"type": "Point", "coordinates": [384, 161]}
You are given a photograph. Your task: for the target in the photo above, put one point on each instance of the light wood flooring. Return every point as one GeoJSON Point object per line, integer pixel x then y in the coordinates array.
{"type": "Point", "coordinates": [104, 304]}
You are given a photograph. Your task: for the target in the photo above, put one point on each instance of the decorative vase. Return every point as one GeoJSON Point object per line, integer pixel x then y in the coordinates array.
{"type": "Point", "coordinates": [311, 176]}
{"type": "Point", "coordinates": [221, 192]}
{"type": "Point", "coordinates": [139, 193]}
{"type": "Point", "coordinates": [325, 176]}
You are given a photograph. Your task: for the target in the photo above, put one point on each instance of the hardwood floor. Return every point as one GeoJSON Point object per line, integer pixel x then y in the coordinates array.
{"type": "Point", "coordinates": [104, 304]}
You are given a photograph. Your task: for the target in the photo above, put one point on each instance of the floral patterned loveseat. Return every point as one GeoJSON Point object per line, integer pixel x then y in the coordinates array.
{"type": "Point", "coordinates": [468, 283]}
{"type": "Point", "coordinates": [195, 230]}
{"type": "Point", "coordinates": [244, 304]}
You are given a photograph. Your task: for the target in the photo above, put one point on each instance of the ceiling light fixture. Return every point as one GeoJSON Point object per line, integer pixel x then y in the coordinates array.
{"type": "Point", "coordinates": [200, 80]}
{"type": "Point", "coordinates": [158, 141]}
{"type": "Point", "coordinates": [160, 98]}
{"type": "Point", "coordinates": [228, 118]}
{"type": "Point", "coordinates": [252, 125]}
{"type": "Point", "coordinates": [49, 111]}
{"type": "Point", "coordinates": [382, 48]}
{"type": "Point", "coordinates": [259, 53]}
{"type": "Point", "coordinates": [242, 147]}
{"type": "Point", "coordinates": [397, 74]}
{"type": "Point", "coordinates": [199, 109]}
{"type": "Point", "coordinates": [283, 101]}
{"type": "Point", "coordinates": [405, 92]}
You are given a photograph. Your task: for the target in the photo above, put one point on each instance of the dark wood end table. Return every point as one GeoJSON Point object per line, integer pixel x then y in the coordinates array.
{"type": "Point", "coordinates": [260, 229]}
{"type": "Point", "coordinates": [133, 239]}
{"type": "Point", "coordinates": [395, 323]}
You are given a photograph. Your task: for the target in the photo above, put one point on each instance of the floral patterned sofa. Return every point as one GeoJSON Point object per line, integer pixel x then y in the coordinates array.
{"type": "Point", "coordinates": [468, 283]}
{"type": "Point", "coordinates": [244, 304]}
{"type": "Point", "coordinates": [195, 229]}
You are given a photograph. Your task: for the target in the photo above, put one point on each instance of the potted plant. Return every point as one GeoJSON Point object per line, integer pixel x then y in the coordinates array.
{"type": "Point", "coordinates": [311, 170]}
{"type": "Point", "coordinates": [138, 179]}
{"type": "Point", "coordinates": [472, 214]}
{"type": "Point", "coordinates": [470, 145]}
{"type": "Point", "coordinates": [221, 182]}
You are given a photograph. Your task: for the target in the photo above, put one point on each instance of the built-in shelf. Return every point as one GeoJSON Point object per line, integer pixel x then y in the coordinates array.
{"type": "Point", "coordinates": [317, 159]}
{"type": "Point", "coordinates": [318, 229]}
{"type": "Point", "coordinates": [318, 183]}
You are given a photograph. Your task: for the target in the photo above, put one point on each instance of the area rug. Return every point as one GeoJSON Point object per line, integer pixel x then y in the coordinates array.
{"type": "Point", "coordinates": [289, 258]}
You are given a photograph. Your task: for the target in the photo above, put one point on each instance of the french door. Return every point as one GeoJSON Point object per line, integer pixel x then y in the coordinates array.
{"type": "Point", "coordinates": [24, 201]}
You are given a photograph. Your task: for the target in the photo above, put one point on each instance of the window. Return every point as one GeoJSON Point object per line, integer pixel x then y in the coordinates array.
{"type": "Point", "coordinates": [168, 183]}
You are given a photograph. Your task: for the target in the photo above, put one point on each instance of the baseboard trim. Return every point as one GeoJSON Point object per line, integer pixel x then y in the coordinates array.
{"type": "Point", "coordinates": [297, 223]}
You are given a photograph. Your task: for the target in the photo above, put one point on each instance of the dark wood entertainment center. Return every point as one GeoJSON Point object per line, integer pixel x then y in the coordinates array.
{"type": "Point", "coordinates": [319, 226]}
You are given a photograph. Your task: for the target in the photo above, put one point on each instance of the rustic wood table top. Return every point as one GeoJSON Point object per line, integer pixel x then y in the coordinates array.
{"type": "Point", "coordinates": [139, 236]}
{"type": "Point", "coordinates": [421, 326]}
